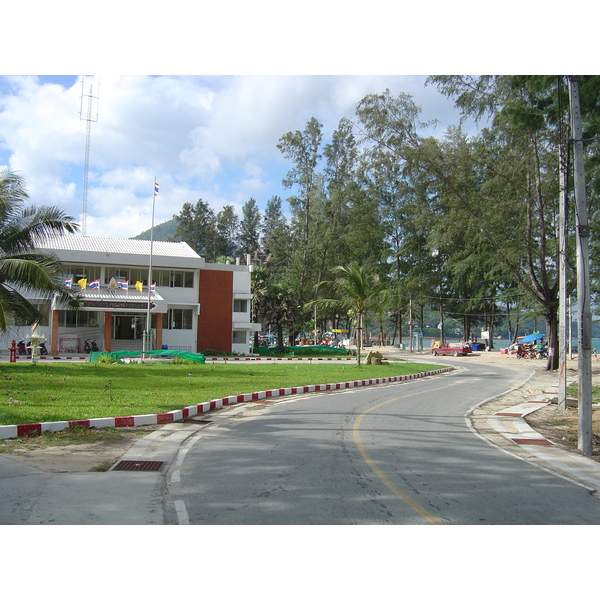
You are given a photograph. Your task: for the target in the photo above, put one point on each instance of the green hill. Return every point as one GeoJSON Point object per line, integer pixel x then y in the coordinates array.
{"type": "Point", "coordinates": [164, 232]}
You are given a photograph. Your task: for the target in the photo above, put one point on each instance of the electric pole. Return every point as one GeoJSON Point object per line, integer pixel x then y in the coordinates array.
{"type": "Point", "coordinates": [584, 352]}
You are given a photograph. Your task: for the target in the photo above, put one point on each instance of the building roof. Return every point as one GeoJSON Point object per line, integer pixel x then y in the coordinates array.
{"type": "Point", "coordinates": [80, 248]}
{"type": "Point", "coordinates": [84, 243]}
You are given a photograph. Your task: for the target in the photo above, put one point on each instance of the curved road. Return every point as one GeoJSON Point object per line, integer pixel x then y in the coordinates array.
{"type": "Point", "coordinates": [385, 454]}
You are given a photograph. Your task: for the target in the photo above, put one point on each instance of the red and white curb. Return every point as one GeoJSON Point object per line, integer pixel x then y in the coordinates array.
{"type": "Point", "coordinates": [13, 431]}
{"type": "Point", "coordinates": [45, 357]}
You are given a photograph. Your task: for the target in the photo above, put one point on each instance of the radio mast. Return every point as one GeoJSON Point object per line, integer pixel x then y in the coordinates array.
{"type": "Point", "coordinates": [89, 120]}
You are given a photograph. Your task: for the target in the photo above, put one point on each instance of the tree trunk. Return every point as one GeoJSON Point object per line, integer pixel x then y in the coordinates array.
{"type": "Point", "coordinates": [280, 344]}
{"type": "Point", "coordinates": [552, 335]}
{"type": "Point", "coordinates": [359, 338]}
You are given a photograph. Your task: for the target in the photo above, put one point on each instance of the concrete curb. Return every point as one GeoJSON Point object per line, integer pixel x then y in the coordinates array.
{"type": "Point", "coordinates": [15, 431]}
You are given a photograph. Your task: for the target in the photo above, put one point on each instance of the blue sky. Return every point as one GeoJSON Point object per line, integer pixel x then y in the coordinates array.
{"type": "Point", "coordinates": [202, 137]}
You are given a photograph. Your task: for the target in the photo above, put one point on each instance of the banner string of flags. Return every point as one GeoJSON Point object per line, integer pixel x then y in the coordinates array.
{"type": "Point", "coordinates": [113, 284]}
{"type": "Point", "coordinates": [95, 285]}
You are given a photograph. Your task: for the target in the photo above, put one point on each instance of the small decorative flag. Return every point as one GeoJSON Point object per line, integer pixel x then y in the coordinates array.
{"type": "Point", "coordinates": [82, 283]}
{"type": "Point", "coordinates": [138, 286]}
{"type": "Point", "coordinates": [156, 186]}
{"type": "Point", "coordinates": [68, 282]}
{"type": "Point", "coordinates": [94, 285]}
{"type": "Point", "coordinates": [124, 285]}
{"type": "Point", "coordinates": [153, 288]}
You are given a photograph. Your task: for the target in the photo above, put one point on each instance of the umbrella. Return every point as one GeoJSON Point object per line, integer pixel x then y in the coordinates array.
{"type": "Point", "coordinates": [532, 337]}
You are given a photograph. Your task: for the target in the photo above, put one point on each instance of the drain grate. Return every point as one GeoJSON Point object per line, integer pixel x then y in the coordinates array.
{"type": "Point", "coordinates": [139, 465]}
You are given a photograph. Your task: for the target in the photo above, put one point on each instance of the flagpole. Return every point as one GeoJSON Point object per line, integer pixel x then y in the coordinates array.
{"type": "Point", "coordinates": [146, 341]}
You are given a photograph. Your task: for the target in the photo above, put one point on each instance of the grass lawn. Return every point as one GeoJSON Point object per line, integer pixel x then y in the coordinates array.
{"type": "Point", "coordinates": [32, 393]}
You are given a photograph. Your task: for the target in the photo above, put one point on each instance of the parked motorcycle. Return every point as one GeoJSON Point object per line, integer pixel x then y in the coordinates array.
{"type": "Point", "coordinates": [21, 348]}
{"type": "Point", "coordinates": [43, 349]}
{"type": "Point", "coordinates": [94, 346]}
{"type": "Point", "coordinates": [86, 346]}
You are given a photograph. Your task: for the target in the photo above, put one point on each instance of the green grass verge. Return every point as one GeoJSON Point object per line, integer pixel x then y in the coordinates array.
{"type": "Point", "coordinates": [32, 393]}
{"type": "Point", "coordinates": [573, 390]}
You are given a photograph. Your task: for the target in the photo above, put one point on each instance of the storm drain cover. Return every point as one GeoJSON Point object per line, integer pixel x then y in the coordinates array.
{"type": "Point", "coordinates": [139, 465]}
{"type": "Point", "coordinates": [532, 442]}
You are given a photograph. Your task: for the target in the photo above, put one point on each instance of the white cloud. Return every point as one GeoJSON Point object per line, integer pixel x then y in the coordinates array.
{"type": "Point", "coordinates": [203, 137]}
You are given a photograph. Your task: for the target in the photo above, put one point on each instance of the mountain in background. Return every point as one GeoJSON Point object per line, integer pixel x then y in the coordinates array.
{"type": "Point", "coordinates": [164, 232]}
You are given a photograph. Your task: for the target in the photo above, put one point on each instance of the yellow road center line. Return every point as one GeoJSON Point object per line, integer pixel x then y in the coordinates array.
{"type": "Point", "coordinates": [373, 466]}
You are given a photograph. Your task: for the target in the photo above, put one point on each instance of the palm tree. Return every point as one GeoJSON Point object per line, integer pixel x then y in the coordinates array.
{"type": "Point", "coordinates": [358, 290]}
{"type": "Point", "coordinates": [23, 270]}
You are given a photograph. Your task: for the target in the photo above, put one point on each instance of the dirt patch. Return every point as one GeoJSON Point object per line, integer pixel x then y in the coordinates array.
{"type": "Point", "coordinates": [561, 427]}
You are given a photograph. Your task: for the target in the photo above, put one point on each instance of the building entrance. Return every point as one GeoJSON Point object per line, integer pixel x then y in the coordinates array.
{"type": "Point", "coordinates": [128, 326]}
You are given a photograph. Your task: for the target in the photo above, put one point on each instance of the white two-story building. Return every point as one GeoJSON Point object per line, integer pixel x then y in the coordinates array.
{"type": "Point", "coordinates": [194, 305]}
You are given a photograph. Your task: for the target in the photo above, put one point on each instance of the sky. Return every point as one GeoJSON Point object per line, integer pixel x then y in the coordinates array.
{"type": "Point", "coordinates": [231, 81]}
{"type": "Point", "coordinates": [208, 137]}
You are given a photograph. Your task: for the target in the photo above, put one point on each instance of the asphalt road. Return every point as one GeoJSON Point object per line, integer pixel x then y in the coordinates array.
{"type": "Point", "coordinates": [386, 454]}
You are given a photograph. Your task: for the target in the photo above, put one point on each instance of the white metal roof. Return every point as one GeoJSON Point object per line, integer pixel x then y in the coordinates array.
{"type": "Point", "coordinates": [80, 248]}
{"type": "Point", "coordinates": [84, 243]}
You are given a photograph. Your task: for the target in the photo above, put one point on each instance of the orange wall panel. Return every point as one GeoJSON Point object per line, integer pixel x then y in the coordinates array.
{"type": "Point", "coordinates": [215, 322]}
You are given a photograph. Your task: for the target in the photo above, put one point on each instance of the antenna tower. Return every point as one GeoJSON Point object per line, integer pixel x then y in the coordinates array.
{"type": "Point", "coordinates": [89, 120]}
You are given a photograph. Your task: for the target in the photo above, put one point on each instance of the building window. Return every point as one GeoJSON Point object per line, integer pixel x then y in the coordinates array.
{"type": "Point", "coordinates": [44, 308]}
{"type": "Point", "coordinates": [77, 272]}
{"type": "Point", "coordinates": [182, 279]}
{"type": "Point", "coordinates": [166, 278]}
{"type": "Point", "coordinates": [240, 306]}
{"type": "Point", "coordinates": [180, 318]}
{"type": "Point", "coordinates": [240, 336]}
{"type": "Point", "coordinates": [71, 318]}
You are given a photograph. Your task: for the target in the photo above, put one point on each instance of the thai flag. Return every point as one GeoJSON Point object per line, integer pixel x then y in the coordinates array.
{"type": "Point", "coordinates": [68, 282]}
{"type": "Point", "coordinates": [124, 285]}
{"type": "Point", "coordinates": [156, 186]}
{"type": "Point", "coordinates": [153, 288]}
{"type": "Point", "coordinates": [94, 285]}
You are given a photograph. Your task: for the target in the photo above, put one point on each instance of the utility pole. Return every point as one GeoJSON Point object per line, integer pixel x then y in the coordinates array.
{"type": "Point", "coordinates": [410, 323]}
{"type": "Point", "coordinates": [584, 352]}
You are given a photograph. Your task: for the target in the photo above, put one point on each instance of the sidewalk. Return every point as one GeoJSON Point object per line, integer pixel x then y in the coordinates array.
{"type": "Point", "coordinates": [130, 493]}
{"type": "Point", "coordinates": [507, 429]}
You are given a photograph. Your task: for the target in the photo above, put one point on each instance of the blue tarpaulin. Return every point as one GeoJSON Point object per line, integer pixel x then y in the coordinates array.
{"type": "Point", "coordinates": [532, 337]}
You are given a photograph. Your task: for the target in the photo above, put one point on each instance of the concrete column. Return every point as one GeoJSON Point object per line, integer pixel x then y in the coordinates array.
{"type": "Point", "coordinates": [54, 332]}
{"type": "Point", "coordinates": [159, 330]}
{"type": "Point", "coordinates": [107, 331]}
